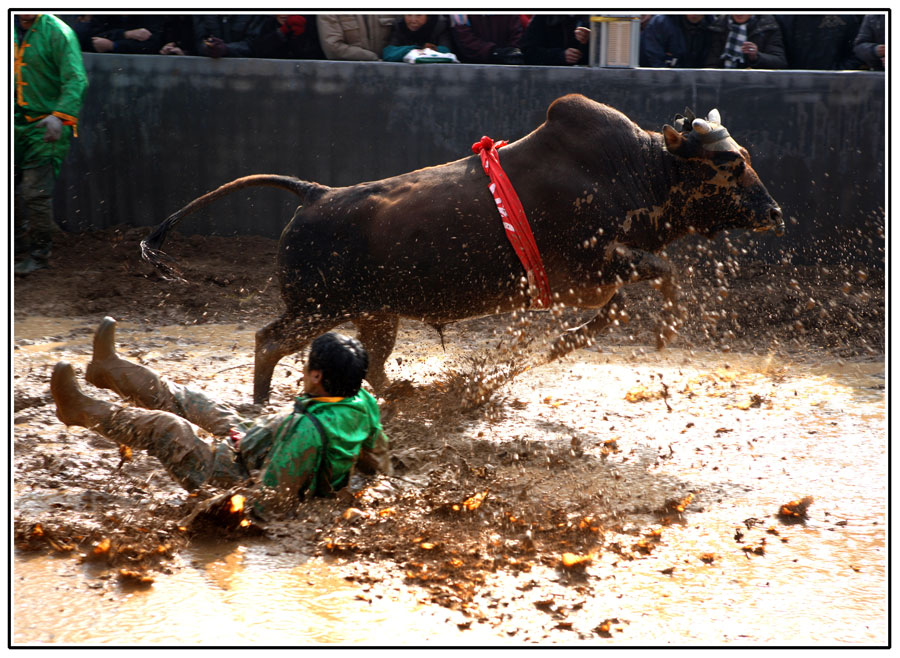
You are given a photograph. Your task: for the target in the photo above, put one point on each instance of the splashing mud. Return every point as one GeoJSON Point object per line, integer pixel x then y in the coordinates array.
{"type": "Point", "coordinates": [617, 496]}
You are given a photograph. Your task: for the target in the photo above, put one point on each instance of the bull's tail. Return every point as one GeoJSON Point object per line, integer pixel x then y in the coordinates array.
{"type": "Point", "coordinates": [151, 245]}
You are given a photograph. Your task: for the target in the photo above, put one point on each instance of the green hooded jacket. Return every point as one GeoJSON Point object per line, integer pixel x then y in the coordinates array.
{"type": "Point", "coordinates": [49, 79]}
{"type": "Point", "coordinates": [290, 454]}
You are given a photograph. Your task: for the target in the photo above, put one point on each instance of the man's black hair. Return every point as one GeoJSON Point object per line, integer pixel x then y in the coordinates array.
{"type": "Point", "coordinates": [343, 361]}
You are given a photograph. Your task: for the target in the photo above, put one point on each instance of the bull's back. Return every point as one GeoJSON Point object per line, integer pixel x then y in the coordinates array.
{"type": "Point", "coordinates": [425, 244]}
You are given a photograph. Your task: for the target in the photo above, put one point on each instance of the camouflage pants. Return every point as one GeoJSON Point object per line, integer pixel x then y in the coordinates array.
{"type": "Point", "coordinates": [163, 427]}
{"type": "Point", "coordinates": [34, 225]}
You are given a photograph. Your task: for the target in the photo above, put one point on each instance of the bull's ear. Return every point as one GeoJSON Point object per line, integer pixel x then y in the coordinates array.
{"type": "Point", "coordinates": [674, 139]}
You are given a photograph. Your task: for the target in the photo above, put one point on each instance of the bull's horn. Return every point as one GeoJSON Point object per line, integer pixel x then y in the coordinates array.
{"type": "Point", "coordinates": [713, 117]}
{"type": "Point", "coordinates": [701, 127]}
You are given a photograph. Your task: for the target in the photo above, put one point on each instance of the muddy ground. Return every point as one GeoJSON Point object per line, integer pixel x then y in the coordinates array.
{"type": "Point", "coordinates": [477, 497]}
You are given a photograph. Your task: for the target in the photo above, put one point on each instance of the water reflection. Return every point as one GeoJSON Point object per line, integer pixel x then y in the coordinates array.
{"type": "Point", "coordinates": [232, 597]}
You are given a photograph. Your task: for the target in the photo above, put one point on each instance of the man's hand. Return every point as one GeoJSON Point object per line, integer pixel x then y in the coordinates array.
{"type": "Point", "coordinates": [52, 128]}
{"type": "Point", "coordinates": [572, 55]}
{"type": "Point", "coordinates": [139, 34]}
{"type": "Point", "coordinates": [582, 34]}
{"type": "Point", "coordinates": [215, 47]}
{"type": "Point", "coordinates": [750, 50]}
{"type": "Point", "coordinates": [102, 45]}
{"type": "Point", "coordinates": [171, 49]}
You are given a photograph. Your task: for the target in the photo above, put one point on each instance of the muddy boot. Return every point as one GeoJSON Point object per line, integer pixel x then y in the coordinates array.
{"type": "Point", "coordinates": [132, 381]}
{"type": "Point", "coordinates": [146, 388]}
{"type": "Point", "coordinates": [163, 435]}
{"type": "Point", "coordinates": [29, 265]}
{"type": "Point", "coordinates": [72, 406]}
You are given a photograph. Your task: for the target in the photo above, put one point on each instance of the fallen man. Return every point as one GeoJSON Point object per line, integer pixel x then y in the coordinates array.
{"type": "Point", "coordinates": [311, 450]}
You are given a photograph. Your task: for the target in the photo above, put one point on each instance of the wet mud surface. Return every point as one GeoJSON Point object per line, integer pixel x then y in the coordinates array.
{"type": "Point", "coordinates": [721, 490]}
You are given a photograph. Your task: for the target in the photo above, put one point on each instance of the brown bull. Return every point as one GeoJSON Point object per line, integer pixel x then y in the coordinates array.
{"type": "Point", "coordinates": [603, 197]}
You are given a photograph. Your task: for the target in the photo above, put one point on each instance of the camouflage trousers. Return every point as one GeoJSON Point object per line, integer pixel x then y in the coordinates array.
{"type": "Point", "coordinates": [34, 225]}
{"type": "Point", "coordinates": [164, 428]}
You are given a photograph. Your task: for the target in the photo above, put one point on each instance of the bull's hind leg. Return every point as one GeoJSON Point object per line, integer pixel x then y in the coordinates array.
{"type": "Point", "coordinates": [378, 333]}
{"type": "Point", "coordinates": [286, 335]}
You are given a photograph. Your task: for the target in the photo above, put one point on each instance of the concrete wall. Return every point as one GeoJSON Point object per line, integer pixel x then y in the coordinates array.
{"type": "Point", "coordinates": [158, 131]}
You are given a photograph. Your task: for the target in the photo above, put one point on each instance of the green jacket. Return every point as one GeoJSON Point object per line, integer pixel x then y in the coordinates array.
{"type": "Point", "coordinates": [49, 73]}
{"type": "Point", "coordinates": [49, 79]}
{"type": "Point", "coordinates": [288, 449]}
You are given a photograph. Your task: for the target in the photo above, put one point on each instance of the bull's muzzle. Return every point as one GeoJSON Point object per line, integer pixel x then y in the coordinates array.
{"type": "Point", "coordinates": [774, 222]}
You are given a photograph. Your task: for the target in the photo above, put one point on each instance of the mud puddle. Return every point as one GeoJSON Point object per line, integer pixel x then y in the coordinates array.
{"type": "Point", "coordinates": [222, 594]}
{"type": "Point", "coordinates": [659, 474]}
{"type": "Point", "coordinates": [736, 436]}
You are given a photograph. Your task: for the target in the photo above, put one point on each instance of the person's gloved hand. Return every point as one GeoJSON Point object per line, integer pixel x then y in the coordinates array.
{"type": "Point", "coordinates": [215, 47]}
{"type": "Point", "coordinates": [295, 25]}
{"type": "Point", "coordinates": [52, 128]}
{"type": "Point", "coordinates": [507, 55]}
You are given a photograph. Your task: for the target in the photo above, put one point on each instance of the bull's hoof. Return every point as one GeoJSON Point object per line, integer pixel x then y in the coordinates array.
{"type": "Point", "coordinates": [399, 389]}
{"type": "Point", "coordinates": [568, 343]}
{"type": "Point", "coordinates": [379, 383]}
{"type": "Point", "coordinates": [663, 340]}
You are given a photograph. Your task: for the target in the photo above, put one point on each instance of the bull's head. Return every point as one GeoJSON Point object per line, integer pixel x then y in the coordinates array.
{"type": "Point", "coordinates": [726, 187]}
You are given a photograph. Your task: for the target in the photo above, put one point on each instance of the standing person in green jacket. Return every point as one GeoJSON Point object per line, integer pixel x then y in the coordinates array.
{"type": "Point", "coordinates": [49, 87]}
{"type": "Point", "coordinates": [333, 426]}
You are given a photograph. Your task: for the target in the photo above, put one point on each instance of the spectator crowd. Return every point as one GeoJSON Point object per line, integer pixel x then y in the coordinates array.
{"type": "Point", "coordinates": [792, 41]}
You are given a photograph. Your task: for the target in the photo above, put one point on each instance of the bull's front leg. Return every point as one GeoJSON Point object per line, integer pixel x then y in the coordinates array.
{"type": "Point", "coordinates": [672, 311]}
{"type": "Point", "coordinates": [286, 335]}
{"type": "Point", "coordinates": [583, 335]}
{"type": "Point", "coordinates": [624, 265]}
{"type": "Point", "coordinates": [378, 333]}
{"type": "Point", "coordinates": [646, 266]}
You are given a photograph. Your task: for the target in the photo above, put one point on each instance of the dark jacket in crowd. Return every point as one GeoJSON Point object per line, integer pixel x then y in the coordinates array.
{"type": "Point", "coordinates": [81, 26]}
{"type": "Point", "coordinates": [114, 29]}
{"type": "Point", "coordinates": [871, 35]}
{"type": "Point", "coordinates": [477, 37]}
{"type": "Point", "coordinates": [820, 42]}
{"type": "Point", "coordinates": [179, 29]}
{"type": "Point", "coordinates": [547, 38]}
{"type": "Point", "coordinates": [674, 42]}
{"type": "Point", "coordinates": [276, 42]}
{"type": "Point", "coordinates": [238, 31]}
{"type": "Point", "coordinates": [763, 30]}
{"type": "Point", "coordinates": [436, 30]}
